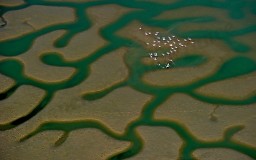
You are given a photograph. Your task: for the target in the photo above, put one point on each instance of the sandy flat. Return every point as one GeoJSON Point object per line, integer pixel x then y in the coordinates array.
{"type": "Point", "coordinates": [237, 88]}
{"type": "Point", "coordinates": [11, 3]}
{"type": "Point", "coordinates": [36, 69]}
{"type": "Point", "coordinates": [222, 21]}
{"type": "Point", "coordinates": [96, 145]}
{"type": "Point", "coordinates": [5, 83]}
{"type": "Point", "coordinates": [159, 143]}
{"type": "Point", "coordinates": [219, 153]}
{"type": "Point", "coordinates": [206, 121]}
{"type": "Point", "coordinates": [30, 19]}
{"type": "Point", "coordinates": [19, 105]}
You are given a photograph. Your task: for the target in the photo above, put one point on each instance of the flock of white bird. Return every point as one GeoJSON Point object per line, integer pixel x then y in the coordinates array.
{"type": "Point", "coordinates": [167, 45]}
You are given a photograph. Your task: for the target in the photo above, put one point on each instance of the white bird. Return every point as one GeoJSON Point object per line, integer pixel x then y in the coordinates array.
{"type": "Point", "coordinates": [168, 65]}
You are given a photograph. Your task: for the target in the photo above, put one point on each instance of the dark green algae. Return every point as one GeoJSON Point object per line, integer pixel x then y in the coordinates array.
{"type": "Point", "coordinates": [235, 66]}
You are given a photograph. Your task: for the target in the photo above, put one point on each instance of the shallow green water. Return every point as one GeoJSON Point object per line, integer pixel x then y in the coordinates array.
{"type": "Point", "coordinates": [237, 66]}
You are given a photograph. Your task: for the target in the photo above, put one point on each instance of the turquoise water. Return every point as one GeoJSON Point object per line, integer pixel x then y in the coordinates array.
{"type": "Point", "coordinates": [233, 67]}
